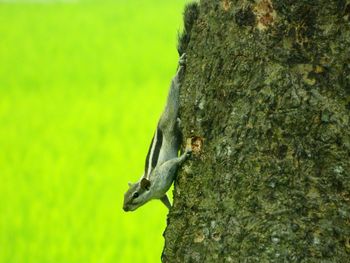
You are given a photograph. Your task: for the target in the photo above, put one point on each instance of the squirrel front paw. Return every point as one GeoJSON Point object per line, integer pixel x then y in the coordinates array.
{"type": "Point", "coordinates": [188, 152]}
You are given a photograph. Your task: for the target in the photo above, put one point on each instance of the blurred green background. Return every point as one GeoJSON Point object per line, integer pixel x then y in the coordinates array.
{"type": "Point", "coordinates": [82, 84]}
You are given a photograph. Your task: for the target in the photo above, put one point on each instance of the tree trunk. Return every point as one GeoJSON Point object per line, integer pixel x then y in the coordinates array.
{"type": "Point", "coordinates": [266, 102]}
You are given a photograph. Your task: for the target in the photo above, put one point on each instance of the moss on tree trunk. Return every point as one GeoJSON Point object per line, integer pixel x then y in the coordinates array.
{"type": "Point", "coordinates": [267, 87]}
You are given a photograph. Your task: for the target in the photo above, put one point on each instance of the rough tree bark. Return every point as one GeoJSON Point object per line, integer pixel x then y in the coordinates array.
{"type": "Point", "coordinates": [267, 89]}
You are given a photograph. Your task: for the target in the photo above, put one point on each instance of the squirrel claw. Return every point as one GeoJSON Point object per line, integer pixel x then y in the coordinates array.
{"type": "Point", "coordinates": [182, 60]}
{"type": "Point", "coordinates": [188, 152]}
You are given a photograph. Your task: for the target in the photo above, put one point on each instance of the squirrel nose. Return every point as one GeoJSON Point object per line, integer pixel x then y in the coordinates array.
{"type": "Point", "coordinates": [125, 208]}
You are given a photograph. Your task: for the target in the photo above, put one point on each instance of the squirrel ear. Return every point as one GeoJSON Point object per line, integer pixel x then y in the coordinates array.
{"type": "Point", "coordinates": [129, 184]}
{"type": "Point", "coordinates": [145, 183]}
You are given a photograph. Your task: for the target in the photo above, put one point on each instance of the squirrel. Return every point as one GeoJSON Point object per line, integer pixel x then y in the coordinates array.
{"type": "Point", "coordinates": [190, 15]}
{"type": "Point", "coordinates": [162, 160]}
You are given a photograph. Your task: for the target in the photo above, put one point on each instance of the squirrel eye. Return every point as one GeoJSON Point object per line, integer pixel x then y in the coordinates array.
{"type": "Point", "coordinates": [135, 195]}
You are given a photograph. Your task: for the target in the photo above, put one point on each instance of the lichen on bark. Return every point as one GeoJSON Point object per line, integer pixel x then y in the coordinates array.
{"type": "Point", "coordinates": [267, 87]}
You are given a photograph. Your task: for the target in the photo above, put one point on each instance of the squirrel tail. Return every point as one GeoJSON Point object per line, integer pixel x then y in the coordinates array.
{"type": "Point", "coordinates": [190, 15]}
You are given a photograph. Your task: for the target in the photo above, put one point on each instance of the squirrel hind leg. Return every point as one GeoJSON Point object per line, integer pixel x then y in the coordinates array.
{"type": "Point", "coordinates": [182, 60]}
{"type": "Point", "coordinates": [178, 123]}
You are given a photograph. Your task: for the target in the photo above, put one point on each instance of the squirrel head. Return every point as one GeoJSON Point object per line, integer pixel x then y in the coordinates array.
{"type": "Point", "coordinates": [137, 195]}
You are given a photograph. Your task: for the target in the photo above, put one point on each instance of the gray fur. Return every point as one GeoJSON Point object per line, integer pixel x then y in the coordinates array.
{"type": "Point", "coordinates": [190, 15]}
{"type": "Point", "coordinates": [159, 179]}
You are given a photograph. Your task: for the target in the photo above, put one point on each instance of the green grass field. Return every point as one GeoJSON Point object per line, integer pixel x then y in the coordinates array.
{"type": "Point", "coordinates": [82, 85]}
